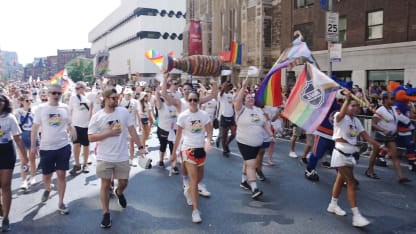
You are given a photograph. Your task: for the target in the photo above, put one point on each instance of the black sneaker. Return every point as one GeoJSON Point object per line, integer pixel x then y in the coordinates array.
{"type": "Point", "coordinates": [305, 161]}
{"type": "Point", "coordinates": [75, 170]}
{"type": "Point", "coordinates": [311, 175]}
{"type": "Point", "coordinates": [85, 169]}
{"type": "Point", "coordinates": [5, 225]}
{"type": "Point", "coordinates": [121, 199]}
{"type": "Point", "coordinates": [256, 193]}
{"type": "Point", "coordinates": [245, 185]}
{"type": "Point", "coordinates": [326, 164]}
{"type": "Point", "coordinates": [217, 142]}
{"type": "Point", "coordinates": [63, 210]}
{"type": "Point", "coordinates": [106, 222]}
{"type": "Point", "coordinates": [260, 175]}
{"type": "Point", "coordinates": [381, 161]}
{"type": "Point", "coordinates": [161, 164]}
{"type": "Point", "coordinates": [226, 154]}
{"type": "Point", "coordinates": [45, 195]}
{"type": "Point", "coordinates": [175, 170]}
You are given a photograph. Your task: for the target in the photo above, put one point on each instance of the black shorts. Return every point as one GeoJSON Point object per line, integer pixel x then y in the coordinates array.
{"type": "Point", "coordinates": [52, 160]}
{"type": "Point", "coordinates": [7, 156]}
{"type": "Point", "coordinates": [145, 121]}
{"type": "Point", "coordinates": [82, 136]}
{"type": "Point", "coordinates": [227, 121]}
{"type": "Point", "coordinates": [384, 139]}
{"type": "Point", "coordinates": [248, 152]}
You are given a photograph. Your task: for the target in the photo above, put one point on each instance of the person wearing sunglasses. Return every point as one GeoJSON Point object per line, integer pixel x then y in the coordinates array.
{"type": "Point", "coordinates": [192, 125]}
{"type": "Point", "coordinates": [25, 118]}
{"type": "Point", "coordinates": [80, 108]}
{"type": "Point", "coordinates": [10, 131]}
{"type": "Point", "coordinates": [385, 132]}
{"type": "Point", "coordinates": [111, 128]}
{"type": "Point", "coordinates": [54, 119]}
{"type": "Point", "coordinates": [251, 124]}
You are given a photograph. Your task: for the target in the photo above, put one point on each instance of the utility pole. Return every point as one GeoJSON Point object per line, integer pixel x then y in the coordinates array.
{"type": "Point", "coordinates": [329, 43]}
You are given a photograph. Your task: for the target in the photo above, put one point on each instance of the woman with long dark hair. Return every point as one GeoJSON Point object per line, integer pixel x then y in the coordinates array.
{"type": "Point", "coordinates": [146, 116]}
{"type": "Point", "coordinates": [9, 131]}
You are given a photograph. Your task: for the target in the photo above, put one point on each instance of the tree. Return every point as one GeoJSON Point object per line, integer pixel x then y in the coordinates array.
{"type": "Point", "coordinates": [80, 69]}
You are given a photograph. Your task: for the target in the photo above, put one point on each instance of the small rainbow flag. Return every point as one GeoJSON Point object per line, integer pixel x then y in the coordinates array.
{"type": "Point", "coordinates": [62, 79]}
{"type": "Point", "coordinates": [236, 50]}
{"type": "Point", "coordinates": [155, 57]}
{"type": "Point", "coordinates": [310, 99]}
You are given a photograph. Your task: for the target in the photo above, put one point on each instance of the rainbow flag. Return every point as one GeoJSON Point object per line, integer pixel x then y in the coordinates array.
{"type": "Point", "coordinates": [236, 50]}
{"type": "Point", "coordinates": [155, 57]}
{"type": "Point", "coordinates": [310, 99]}
{"type": "Point", "coordinates": [62, 79]}
{"type": "Point", "coordinates": [269, 92]}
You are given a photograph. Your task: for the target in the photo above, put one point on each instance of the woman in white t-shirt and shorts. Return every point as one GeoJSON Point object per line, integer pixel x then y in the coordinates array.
{"type": "Point", "coordinates": [347, 128]}
{"type": "Point", "coordinates": [192, 125]}
{"type": "Point", "coordinates": [251, 124]}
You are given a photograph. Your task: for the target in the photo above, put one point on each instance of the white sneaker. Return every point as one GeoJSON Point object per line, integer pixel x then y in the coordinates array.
{"type": "Point", "coordinates": [359, 221]}
{"type": "Point", "coordinates": [292, 154]}
{"type": "Point", "coordinates": [188, 197]}
{"type": "Point", "coordinates": [133, 163]}
{"type": "Point", "coordinates": [335, 209]}
{"type": "Point", "coordinates": [186, 184]}
{"type": "Point", "coordinates": [196, 217]}
{"type": "Point", "coordinates": [32, 181]}
{"type": "Point", "coordinates": [202, 190]}
{"type": "Point", "coordinates": [24, 185]}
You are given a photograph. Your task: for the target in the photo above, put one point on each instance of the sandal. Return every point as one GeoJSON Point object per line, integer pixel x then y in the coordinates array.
{"type": "Point", "coordinates": [270, 163]}
{"type": "Point", "coordinates": [404, 180]}
{"type": "Point", "coordinates": [372, 176]}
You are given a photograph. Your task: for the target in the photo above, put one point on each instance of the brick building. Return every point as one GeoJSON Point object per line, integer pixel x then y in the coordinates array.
{"type": "Point", "coordinates": [51, 65]}
{"type": "Point", "coordinates": [254, 23]}
{"type": "Point", "coordinates": [378, 37]}
{"type": "Point", "coordinates": [64, 56]}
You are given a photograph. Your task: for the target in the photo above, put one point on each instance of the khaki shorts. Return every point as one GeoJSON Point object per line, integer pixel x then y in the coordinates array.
{"type": "Point", "coordinates": [310, 140]}
{"type": "Point", "coordinates": [105, 169]}
{"type": "Point", "coordinates": [297, 131]}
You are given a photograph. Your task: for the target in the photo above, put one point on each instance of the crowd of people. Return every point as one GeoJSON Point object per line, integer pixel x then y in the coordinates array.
{"type": "Point", "coordinates": [48, 122]}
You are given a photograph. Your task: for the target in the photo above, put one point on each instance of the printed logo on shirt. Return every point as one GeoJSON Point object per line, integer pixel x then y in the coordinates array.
{"type": "Point", "coordinates": [114, 124]}
{"type": "Point", "coordinates": [230, 100]}
{"type": "Point", "coordinates": [82, 106]}
{"type": "Point", "coordinates": [130, 110]}
{"type": "Point", "coordinates": [54, 120]}
{"type": "Point", "coordinates": [172, 114]}
{"type": "Point", "coordinates": [255, 118]}
{"type": "Point", "coordinates": [5, 140]}
{"type": "Point", "coordinates": [196, 126]}
{"type": "Point", "coordinates": [352, 131]}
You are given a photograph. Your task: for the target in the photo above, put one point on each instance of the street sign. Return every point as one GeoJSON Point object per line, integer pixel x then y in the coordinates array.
{"type": "Point", "coordinates": [332, 32]}
{"type": "Point", "coordinates": [335, 52]}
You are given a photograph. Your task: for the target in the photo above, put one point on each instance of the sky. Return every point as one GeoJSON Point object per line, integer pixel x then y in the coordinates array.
{"type": "Point", "coordinates": [37, 28]}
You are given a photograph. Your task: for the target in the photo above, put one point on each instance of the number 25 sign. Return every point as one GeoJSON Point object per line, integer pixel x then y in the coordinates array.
{"type": "Point", "coordinates": [332, 19]}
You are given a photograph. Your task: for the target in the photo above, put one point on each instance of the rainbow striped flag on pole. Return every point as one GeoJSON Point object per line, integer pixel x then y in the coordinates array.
{"type": "Point", "coordinates": [236, 50]}
{"type": "Point", "coordinates": [310, 99]}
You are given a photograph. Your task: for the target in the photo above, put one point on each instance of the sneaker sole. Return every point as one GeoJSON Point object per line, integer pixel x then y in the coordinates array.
{"type": "Point", "coordinates": [356, 225]}
{"type": "Point", "coordinates": [256, 195]}
{"type": "Point", "coordinates": [245, 188]}
{"type": "Point", "coordinates": [64, 212]}
{"type": "Point", "coordinates": [204, 194]}
{"type": "Point", "coordinates": [197, 221]}
{"type": "Point", "coordinates": [105, 227]}
{"type": "Point", "coordinates": [335, 213]}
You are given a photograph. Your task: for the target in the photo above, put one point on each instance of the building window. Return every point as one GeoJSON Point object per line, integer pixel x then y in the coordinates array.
{"type": "Point", "coordinates": [307, 32]}
{"type": "Point", "coordinates": [342, 27]}
{"type": "Point", "coordinates": [382, 77]}
{"type": "Point", "coordinates": [163, 13]}
{"type": "Point", "coordinates": [171, 13]}
{"type": "Point", "coordinates": [165, 35]}
{"type": "Point", "coordinates": [303, 3]}
{"type": "Point", "coordinates": [344, 76]}
{"type": "Point", "coordinates": [148, 34]}
{"type": "Point", "coordinates": [146, 11]}
{"type": "Point", "coordinates": [375, 25]}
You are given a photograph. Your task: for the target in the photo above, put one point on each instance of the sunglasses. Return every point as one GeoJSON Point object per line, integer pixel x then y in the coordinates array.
{"type": "Point", "coordinates": [114, 98]}
{"type": "Point", "coordinates": [174, 83]}
{"type": "Point", "coordinates": [188, 90]}
{"type": "Point", "coordinates": [56, 93]}
{"type": "Point", "coordinates": [28, 101]}
{"type": "Point", "coordinates": [44, 100]}
{"type": "Point", "coordinates": [77, 88]}
{"type": "Point", "coordinates": [193, 100]}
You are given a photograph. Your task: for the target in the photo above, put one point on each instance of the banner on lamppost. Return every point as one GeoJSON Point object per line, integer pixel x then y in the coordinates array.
{"type": "Point", "coordinates": [335, 52]}
{"type": "Point", "coordinates": [195, 38]}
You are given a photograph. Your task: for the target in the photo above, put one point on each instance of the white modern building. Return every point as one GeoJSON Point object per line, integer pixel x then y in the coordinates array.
{"type": "Point", "coordinates": [135, 27]}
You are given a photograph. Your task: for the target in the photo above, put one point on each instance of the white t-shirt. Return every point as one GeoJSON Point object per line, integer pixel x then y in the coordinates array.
{"type": "Point", "coordinates": [20, 116]}
{"type": "Point", "coordinates": [226, 104]}
{"type": "Point", "coordinates": [112, 149]}
{"type": "Point", "coordinates": [167, 117]}
{"type": "Point", "coordinates": [79, 110]}
{"type": "Point", "coordinates": [53, 121]}
{"type": "Point", "coordinates": [144, 112]}
{"type": "Point", "coordinates": [184, 105]}
{"type": "Point", "coordinates": [193, 128]}
{"type": "Point", "coordinates": [348, 129]}
{"type": "Point", "coordinates": [210, 107]}
{"type": "Point", "coordinates": [8, 128]}
{"type": "Point", "coordinates": [392, 117]}
{"type": "Point", "coordinates": [130, 105]}
{"type": "Point", "coordinates": [250, 126]}
{"type": "Point", "coordinates": [97, 103]}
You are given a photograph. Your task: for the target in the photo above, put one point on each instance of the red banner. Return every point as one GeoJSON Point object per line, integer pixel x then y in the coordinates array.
{"type": "Point", "coordinates": [225, 56]}
{"type": "Point", "coordinates": [195, 38]}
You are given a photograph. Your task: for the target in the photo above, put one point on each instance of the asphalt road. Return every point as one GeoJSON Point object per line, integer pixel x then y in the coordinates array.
{"type": "Point", "coordinates": [290, 204]}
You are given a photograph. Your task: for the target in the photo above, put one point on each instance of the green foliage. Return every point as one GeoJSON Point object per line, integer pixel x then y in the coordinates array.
{"type": "Point", "coordinates": [80, 68]}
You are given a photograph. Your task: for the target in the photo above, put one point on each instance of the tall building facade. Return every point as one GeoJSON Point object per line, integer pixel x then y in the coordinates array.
{"type": "Point", "coordinates": [36, 69]}
{"type": "Point", "coordinates": [378, 38]}
{"type": "Point", "coordinates": [64, 56]}
{"type": "Point", "coordinates": [253, 23]}
{"type": "Point", "coordinates": [52, 65]}
{"type": "Point", "coordinates": [11, 67]}
{"type": "Point", "coordinates": [135, 27]}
